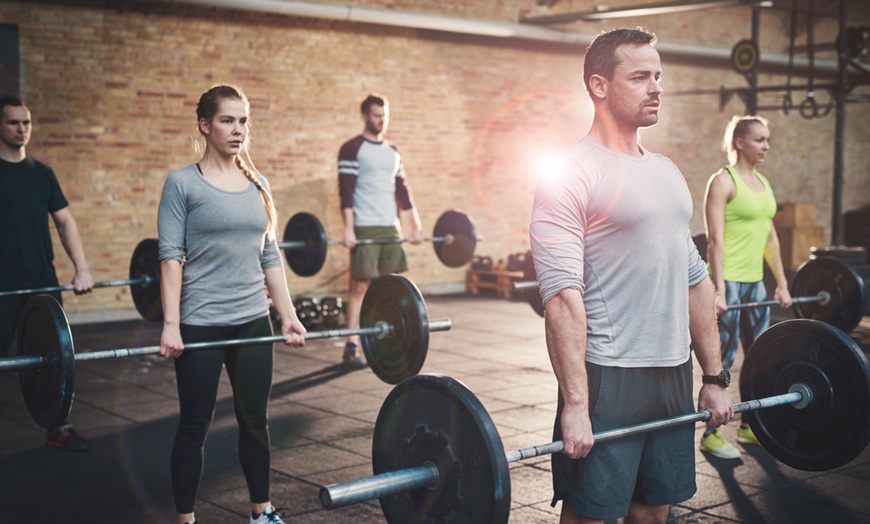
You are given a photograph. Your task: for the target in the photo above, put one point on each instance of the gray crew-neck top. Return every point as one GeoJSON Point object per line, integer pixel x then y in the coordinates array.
{"type": "Point", "coordinates": [220, 236]}
{"type": "Point", "coordinates": [616, 228]}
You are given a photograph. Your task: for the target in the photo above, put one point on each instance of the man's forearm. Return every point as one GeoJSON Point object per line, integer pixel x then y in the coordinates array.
{"type": "Point", "coordinates": [703, 328]}
{"type": "Point", "coordinates": [565, 325]}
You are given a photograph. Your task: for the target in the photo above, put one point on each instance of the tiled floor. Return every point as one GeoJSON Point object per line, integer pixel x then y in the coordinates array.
{"type": "Point", "coordinates": [322, 418]}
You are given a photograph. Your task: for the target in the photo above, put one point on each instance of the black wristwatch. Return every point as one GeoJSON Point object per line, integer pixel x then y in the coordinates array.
{"type": "Point", "coordinates": [722, 379]}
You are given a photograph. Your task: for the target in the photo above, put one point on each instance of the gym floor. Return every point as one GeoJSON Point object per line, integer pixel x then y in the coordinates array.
{"type": "Point", "coordinates": [322, 417]}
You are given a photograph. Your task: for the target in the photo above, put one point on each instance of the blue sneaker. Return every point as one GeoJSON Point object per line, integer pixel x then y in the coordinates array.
{"type": "Point", "coordinates": [352, 358]}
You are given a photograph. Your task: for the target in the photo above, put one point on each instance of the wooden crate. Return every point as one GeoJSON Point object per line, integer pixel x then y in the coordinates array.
{"type": "Point", "coordinates": [790, 216]}
{"type": "Point", "coordinates": [795, 244]}
{"type": "Point", "coordinates": [499, 281]}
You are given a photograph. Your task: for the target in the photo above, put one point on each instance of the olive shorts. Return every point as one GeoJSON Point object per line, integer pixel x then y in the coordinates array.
{"type": "Point", "coordinates": [373, 260]}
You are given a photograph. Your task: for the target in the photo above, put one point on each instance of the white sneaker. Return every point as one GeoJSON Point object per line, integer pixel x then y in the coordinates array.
{"type": "Point", "coordinates": [269, 516]}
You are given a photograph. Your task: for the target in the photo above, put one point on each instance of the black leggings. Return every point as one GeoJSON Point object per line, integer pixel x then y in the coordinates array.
{"type": "Point", "coordinates": [198, 373]}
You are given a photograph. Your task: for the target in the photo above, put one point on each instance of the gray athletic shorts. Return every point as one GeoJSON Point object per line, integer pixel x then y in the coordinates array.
{"type": "Point", "coordinates": [654, 468]}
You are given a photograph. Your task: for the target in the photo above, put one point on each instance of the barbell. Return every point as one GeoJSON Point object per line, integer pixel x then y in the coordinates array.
{"type": "Point", "coordinates": [144, 282]}
{"type": "Point", "coordinates": [394, 331]}
{"type": "Point", "coordinates": [305, 242]}
{"type": "Point", "coordinates": [824, 289]}
{"type": "Point", "coordinates": [437, 456]}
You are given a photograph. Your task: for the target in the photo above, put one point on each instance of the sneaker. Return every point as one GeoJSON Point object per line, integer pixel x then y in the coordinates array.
{"type": "Point", "coordinates": [351, 358]}
{"type": "Point", "coordinates": [65, 437]}
{"type": "Point", "coordinates": [269, 516]}
{"type": "Point", "coordinates": [715, 444]}
{"type": "Point", "coordinates": [746, 437]}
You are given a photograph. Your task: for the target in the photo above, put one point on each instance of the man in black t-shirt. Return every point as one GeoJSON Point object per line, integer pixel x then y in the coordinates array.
{"type": "Point", "coordinates": [29, 194]}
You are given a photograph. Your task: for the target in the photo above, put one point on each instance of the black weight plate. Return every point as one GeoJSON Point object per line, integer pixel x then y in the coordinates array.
{"type": "Point", "coordinates": [846, 306]}
{"type": "Point", "coordinates": [308, 260]}
{"type": "Point", "coordinates": [744, 56]}
{"type": "Point", "coordinates": [43, 331]}
{"type": "Point", "coordinates": [395, 300]}
{"type": "Point", "coordinates": [146, 261]}
{"type": "Point", "coordinates": [434, 419]}
{"type": "Point", "coordinates": [533, 295]}
{"type": "Point", "coordinates": [460, 250]}
{"type": "Point", "coordinates": [835, 427]}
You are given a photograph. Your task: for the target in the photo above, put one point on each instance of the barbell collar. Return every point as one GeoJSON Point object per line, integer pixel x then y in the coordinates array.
{"type": "Point", "coordinates": [426, 475]}
{"type": "Point", "coordinates": [144, 281]}
{"type": "Point", "coordinates": [378, 486]}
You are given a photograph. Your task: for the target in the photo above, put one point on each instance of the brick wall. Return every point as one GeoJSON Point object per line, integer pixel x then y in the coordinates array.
{"type": "Point", "coordinates": [113, 90]}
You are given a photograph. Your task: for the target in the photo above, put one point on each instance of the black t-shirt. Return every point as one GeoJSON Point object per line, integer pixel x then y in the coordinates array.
{"type": "Point", "coordinates": [29, 191]}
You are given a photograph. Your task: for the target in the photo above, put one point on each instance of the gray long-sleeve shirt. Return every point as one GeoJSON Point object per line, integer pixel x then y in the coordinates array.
{"type": "Point", "coordinates": [221, 236]}
{"type": "Point", "coordinates": [615, 227]}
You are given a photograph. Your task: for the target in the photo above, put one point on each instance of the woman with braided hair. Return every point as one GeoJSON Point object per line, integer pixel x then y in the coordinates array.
{"type": "Point", "coordinates": [218, 255]}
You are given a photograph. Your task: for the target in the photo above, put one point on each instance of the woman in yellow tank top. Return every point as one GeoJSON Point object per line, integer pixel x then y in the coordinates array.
{"type": "Point", "coordinates": [738, 211]}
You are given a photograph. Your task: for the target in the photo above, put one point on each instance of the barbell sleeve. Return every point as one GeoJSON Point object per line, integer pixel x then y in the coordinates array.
{"type": "Point", "coordinates": [145, 281]}
{"type": "Point", "coordinates": [377, 486]}
{"type": "Point", "coordinates": [426, 475]}
{"type": "Point", "coordinates": [522, 285]}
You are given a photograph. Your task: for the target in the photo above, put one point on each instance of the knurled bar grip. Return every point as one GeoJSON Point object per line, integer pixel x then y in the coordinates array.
{"type": "Point", "coordinates": [145, 281]}
{"type": "Point", "coordinates": [299, 244]}
{"type": "Point", "coordinates": [823, 297]}
{"type": "Point", "coordinates": [404, 480]}
{"type": "Point", "coordinates": [381, 329]}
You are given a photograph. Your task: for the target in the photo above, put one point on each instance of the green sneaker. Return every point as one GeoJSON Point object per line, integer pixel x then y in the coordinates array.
{"type": "Point", "coordinates": [715, 444]}
{"type": "Point", "coordinates": [746, 437]}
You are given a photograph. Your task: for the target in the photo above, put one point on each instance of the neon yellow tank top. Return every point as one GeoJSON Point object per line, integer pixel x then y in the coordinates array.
{"type": "Point", "coordinates": [747, 226]}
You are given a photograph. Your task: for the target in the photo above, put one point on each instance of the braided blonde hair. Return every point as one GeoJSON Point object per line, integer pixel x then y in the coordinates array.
{"type": "Point", "coordinates": [207, 108]}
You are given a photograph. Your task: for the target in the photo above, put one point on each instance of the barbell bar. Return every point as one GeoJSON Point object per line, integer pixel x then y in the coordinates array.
{"type": "Point", "coordinates": [144, 279]}
{"type": "Point", "coordinates": [305, 243]}
{"type": "Point", "coordinates": [823, 297]}
{"type": "Point", "coordinates": [824, 289]}
{"type": "Point", "coordinates": [394, 330]}
{"type": "Point", "coordinates": [436, 452]}
{"type": "Point", "coordinates": [427, 476]}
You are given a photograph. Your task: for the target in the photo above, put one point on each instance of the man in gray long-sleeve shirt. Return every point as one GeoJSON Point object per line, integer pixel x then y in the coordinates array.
{"type": "Point", "coordinates": [626, 295]}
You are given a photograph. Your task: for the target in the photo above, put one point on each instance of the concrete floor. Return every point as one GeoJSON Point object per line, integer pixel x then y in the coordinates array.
{"type": "Point", "coordinates": [322, 417]}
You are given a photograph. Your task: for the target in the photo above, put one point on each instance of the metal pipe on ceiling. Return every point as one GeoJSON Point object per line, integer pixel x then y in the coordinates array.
{"type": "Point", "coordinates": [716, 56]}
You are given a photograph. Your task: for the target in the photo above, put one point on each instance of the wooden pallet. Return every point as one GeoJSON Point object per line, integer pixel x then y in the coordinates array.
{"type": "Point", "coordinates": [499, 281]}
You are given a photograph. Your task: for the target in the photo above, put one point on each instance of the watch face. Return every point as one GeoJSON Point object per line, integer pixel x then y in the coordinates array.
{"type": "Point", "coordinates": [726, 377]}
